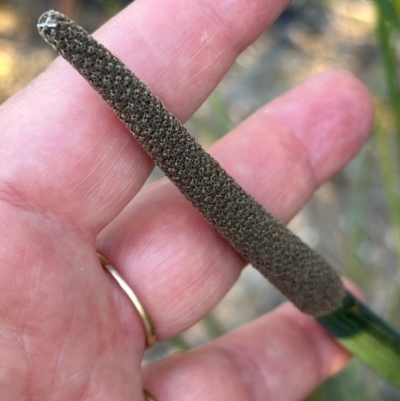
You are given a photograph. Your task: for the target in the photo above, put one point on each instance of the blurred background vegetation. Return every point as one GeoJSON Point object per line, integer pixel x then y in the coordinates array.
{"type": "Point", "coordinates": [353, 220]}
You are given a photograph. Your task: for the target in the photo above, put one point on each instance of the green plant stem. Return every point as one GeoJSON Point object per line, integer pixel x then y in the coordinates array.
{"type": "Point", "coordinates": [391, 184]}
{"type": "Point", "coordinates": [388, 11]}
{"type": "Point", "coordinates": [396, 5]}
{"type": "Point", "coordinates": [356, 217]}
{"type": "Point", "coordinates": [366, 335]}
{"type": "Point", "coordinates": [390, 180]}
{"type": "Point", "coordinates": [389, 61]}
{"type": "Point", "coordinates": [387, 162]}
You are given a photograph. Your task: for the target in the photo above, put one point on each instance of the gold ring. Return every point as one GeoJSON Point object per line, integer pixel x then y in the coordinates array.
{"type": "Point", "coordinates": [149, 396]}
{"type": "Point", "coordinates": [144, 316]}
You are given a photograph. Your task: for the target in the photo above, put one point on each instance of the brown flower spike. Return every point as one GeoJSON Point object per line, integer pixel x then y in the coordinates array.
{"type": "Point", "coordinates": [298, 272]}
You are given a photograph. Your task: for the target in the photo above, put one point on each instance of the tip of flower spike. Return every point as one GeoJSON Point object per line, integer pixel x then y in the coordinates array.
{"type": "Point", "coordinates": [49, 19]}
{"type": "Point", "coordinates": [49, 24]}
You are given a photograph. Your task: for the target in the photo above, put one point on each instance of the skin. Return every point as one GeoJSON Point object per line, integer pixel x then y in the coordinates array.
{"type": "Point", "coordinates": [69, 184]}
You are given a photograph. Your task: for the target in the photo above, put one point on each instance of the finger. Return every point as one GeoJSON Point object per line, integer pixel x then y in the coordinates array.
{"type": "Point", "coordinates": [281, 356]}
{"type": "Point", "coordinates": [58, 133]}
{"type": "Point", "coordinates": [286, 107]}
{"type": "Point", "coordinates": [175, 261]}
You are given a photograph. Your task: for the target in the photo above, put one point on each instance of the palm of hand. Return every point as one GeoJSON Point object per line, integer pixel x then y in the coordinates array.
{"type": "Point", "coordinates": [63, 335]}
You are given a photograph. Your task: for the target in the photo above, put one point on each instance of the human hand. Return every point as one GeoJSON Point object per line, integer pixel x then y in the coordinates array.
{"type": "Point", "coordinates": [68, 170]}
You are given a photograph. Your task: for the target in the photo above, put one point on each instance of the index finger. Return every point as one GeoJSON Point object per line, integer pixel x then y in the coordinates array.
{"type": "Point", "coordinates": [73, 142]}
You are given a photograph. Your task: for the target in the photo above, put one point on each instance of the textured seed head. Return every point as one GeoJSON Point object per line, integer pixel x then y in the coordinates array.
{"type": "Point", "coordinates": [298, 272]}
